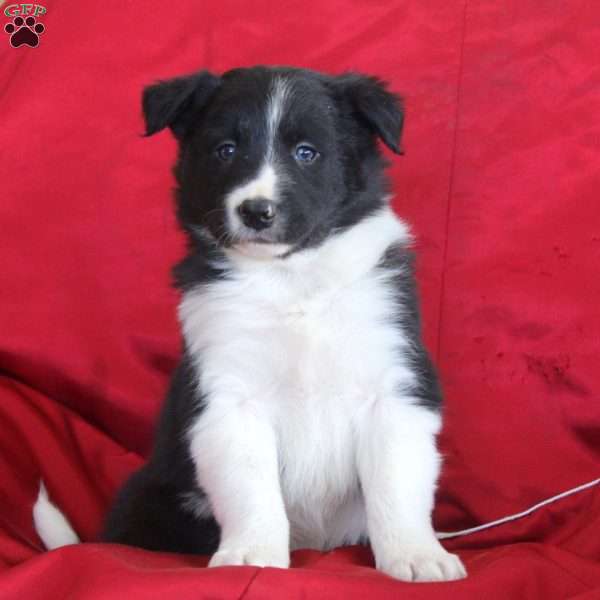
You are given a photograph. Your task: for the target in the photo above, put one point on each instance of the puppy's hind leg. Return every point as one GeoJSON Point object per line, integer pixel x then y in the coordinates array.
{"type": "Point", "coordinates": [153, 515]}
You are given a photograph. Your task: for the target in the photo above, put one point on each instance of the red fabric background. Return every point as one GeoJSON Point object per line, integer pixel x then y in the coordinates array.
{"type": "Point", "coordinates": [500, 181]}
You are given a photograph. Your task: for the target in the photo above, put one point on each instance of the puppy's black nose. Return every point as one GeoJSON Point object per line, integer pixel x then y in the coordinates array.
{"type": "Point", "coordinates": [257, 213]}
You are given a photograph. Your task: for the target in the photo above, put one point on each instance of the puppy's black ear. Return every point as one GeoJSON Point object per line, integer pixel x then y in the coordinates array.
{"type": "Point", "coordinates": [175, 102]}
{"type": "Point", "coordinates": [382, 110]}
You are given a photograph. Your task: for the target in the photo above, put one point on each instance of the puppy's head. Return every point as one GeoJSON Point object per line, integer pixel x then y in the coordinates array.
{"type": "Point", "coordinates": [272, 160]}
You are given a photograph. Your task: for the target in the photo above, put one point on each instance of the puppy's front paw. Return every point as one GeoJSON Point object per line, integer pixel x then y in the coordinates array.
{"type": "Point", "coordinates": [259, 556]}
{"type": "Point", "coordinates": [423, 564]}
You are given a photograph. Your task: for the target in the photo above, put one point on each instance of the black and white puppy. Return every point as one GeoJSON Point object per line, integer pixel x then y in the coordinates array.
{"type": "Point", "coordinates": [305, 409]}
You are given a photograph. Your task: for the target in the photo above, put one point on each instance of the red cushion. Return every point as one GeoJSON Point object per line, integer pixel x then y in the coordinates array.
{"type": "Point", "coordinates": [500, 181]}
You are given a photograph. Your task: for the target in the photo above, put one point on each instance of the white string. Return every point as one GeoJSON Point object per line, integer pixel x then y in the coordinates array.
{"type": "Point", "coordinates": [442, 535]}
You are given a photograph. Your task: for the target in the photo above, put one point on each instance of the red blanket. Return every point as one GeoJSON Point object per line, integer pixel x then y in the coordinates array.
{"type": "Point", "coordinates": [500, 180]}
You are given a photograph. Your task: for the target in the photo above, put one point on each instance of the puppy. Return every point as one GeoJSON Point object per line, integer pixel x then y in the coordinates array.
{"type": "Point", "coordinates": [304, 411]}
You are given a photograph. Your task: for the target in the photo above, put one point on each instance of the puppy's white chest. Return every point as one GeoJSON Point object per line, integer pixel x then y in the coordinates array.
{"type": "Point", "coordinates": [306, 349]}
{"type": "Point", "coordinates": [333, 346]}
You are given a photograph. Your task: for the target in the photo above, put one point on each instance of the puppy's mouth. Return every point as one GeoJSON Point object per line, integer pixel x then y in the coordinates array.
{"type": "Point", "coordinates": [249, 244]}
{"type": "Point", "coordinates": [256, 244]}
{"type": "Point", "coordinates": [261, 249]}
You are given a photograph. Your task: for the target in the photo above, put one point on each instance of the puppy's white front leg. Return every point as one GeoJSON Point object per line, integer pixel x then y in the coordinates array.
{"type": "Point", "coordinates": [235, 453]}
{"type": "Point", "coordinates": [398, 466]}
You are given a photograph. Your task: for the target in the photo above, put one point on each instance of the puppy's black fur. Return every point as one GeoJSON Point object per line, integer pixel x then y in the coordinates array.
{"type": "Point", "coordinates": [148, 511]}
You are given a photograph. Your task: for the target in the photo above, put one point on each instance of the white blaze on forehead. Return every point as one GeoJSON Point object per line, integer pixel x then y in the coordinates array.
{"type": "Point", "coordinates": [280, 89]}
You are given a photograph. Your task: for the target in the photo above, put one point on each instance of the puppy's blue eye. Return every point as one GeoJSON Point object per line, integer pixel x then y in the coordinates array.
{"type": "Point", "coordinates": [305, 153]}
{"type": "Point", "coordinates": [226, 151]}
